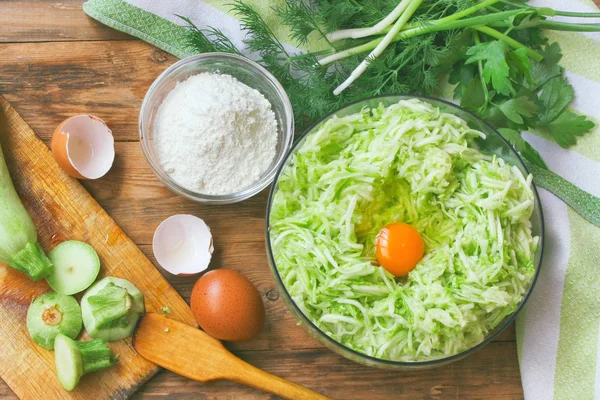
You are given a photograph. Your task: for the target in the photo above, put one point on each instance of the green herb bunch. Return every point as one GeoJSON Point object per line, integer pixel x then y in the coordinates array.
{"type": "Point", "coordinates": [494, 51]}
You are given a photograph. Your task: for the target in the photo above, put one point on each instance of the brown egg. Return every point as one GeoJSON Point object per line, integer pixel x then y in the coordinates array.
{"type": "Point", "coordinates": [227, 305]}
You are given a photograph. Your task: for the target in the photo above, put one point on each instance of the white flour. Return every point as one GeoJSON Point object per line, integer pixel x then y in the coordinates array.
{"type": "Point", "coordinates": [215, 135]}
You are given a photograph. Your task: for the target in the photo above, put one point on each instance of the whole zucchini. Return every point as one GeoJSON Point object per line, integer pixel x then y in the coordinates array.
{"type": "Point", "coordinates": [19, 247]}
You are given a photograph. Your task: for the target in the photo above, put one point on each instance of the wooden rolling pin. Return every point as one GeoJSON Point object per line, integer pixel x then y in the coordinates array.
{"type": "Point", "coordinates": [194, 354]}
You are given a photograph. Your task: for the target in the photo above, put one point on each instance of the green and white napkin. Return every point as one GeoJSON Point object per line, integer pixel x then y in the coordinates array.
{"type": "Point", "coordinates": [559, 332]}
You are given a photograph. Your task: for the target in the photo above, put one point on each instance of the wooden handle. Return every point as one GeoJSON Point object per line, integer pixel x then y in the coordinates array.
{"type": "Point", "coordinates": [249, 375]}
{"type": "Point", "coordinates": [192, 353]}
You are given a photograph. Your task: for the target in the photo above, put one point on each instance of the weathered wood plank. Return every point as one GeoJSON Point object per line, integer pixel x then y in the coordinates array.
{"type": "Point", "coordinates": [48, 82]}
{"type": "Point", "coordinates": [5, 392]}
{"type": "Point", "coordinates": [43, 21]}
{"type": "Point", "coordinates": [491, 373]}
{"type": "Point", "coordinates": [138, 201]}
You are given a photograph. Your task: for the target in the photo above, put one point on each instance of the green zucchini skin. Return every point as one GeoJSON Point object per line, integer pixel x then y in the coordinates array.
{"type": "Point", "coordinates": [123, 326]}
{"type": "Point", "coordinates": [19, 247]}
{"type": "Point", "coordinates": [74, 359]}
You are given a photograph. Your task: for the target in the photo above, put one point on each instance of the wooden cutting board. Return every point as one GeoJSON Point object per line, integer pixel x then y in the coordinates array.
{"type": "Point", "coordinates": [62, 210]}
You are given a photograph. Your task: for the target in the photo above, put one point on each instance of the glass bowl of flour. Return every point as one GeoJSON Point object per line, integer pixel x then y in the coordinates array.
{"type": "Point", "coordinates": [215, 127]}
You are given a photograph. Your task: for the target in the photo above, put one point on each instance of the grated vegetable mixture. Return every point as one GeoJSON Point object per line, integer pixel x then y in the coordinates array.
{"type": "Point", "coordinates": [411, 163]}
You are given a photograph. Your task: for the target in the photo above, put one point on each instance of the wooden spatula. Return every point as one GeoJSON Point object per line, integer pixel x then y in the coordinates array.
{"type": "Point", "coordinates": [194, 354]}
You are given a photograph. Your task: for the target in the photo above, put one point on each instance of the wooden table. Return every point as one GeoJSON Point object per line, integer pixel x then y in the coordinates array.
{"type": "Point", "coordinates": [56, 62]}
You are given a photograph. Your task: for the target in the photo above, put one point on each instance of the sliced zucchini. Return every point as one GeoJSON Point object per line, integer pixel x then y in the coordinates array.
{"type": "Point", "coordinates": [111, 309]}
{"type": "Point", "coordinates": [75, 359]}
{"type": "Point", "coordinates": [52, 314]}
{"type": "Point", "coordinates": [76, 267]}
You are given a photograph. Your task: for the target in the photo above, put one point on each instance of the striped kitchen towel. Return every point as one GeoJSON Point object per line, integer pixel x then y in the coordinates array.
{"type": "Point", "coordinates": [559, 332]}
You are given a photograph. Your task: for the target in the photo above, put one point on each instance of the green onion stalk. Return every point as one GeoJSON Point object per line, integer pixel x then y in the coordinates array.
{"type": "Point", "coordinates": [402, 29]}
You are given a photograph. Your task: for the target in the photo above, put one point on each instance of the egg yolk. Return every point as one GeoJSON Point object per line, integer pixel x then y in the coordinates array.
{"type": "Point", "coordinates": [398, 248]}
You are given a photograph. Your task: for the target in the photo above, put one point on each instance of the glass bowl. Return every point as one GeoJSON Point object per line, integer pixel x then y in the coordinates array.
{"type": "Point", "coordinates": [247, 72]}
{"type": "Point", "coordinates": [492, 144]}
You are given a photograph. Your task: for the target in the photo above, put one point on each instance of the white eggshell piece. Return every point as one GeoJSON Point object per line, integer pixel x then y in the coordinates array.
{"type": "Point", "coordinates": [90, 145]}
{"type": "Point", "coordinates": [182, 244]}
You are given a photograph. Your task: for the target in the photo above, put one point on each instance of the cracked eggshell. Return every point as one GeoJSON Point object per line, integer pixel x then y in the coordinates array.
{"type": "Point", "coordinates": [84, 147]}
{"type": "Point", "coordinates": [183, 245]}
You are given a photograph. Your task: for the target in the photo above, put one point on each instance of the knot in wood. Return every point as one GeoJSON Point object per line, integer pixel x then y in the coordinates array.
{"type": "Point", "coordinates": [159, 56]}
{"type": "Point", "coordinates": [272, 294]}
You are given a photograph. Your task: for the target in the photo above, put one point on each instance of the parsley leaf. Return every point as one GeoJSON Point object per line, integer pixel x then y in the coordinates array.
{"type": "Point", "coordinates": [525, 149]}
{"type": "Point", "coordinates": [520, 60]}
{"type": "Point", "coordinates": [567, 127]}
{"type": "Point", "coordinates": [563, 125]}
{"type": "Point", "coordinates": [473, 97]}
{"type": "Point", "coordinates": [548, 68]}
{"type": "Point", "coordinates": [461, 76]}
{"type": "Point", "coordinates": [495, 67]}
{"type": "Point", "coordinates": [517, 108]}
{"type": "Point", "coordinates": [556, 95]}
